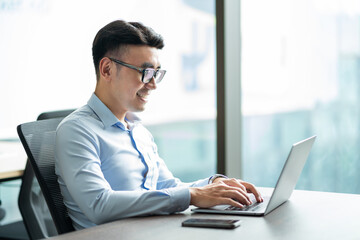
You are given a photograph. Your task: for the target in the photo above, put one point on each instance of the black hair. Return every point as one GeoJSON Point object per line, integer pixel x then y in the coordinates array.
{"type": "Point", "coordinates": [120, 33]}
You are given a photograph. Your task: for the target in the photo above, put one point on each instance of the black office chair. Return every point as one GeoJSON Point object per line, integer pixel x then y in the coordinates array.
{"type": "Point", "coordinates": [38, 139]}
{"type": "Point", "coordinates": [33, 208]}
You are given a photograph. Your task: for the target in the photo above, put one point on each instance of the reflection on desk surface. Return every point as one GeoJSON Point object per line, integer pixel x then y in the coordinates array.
{"type": "Point", "coordinates": [12, 158]}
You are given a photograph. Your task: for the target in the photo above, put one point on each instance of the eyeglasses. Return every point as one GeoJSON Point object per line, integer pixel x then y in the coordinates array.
{"type": "Point", "coordinates": [147, 73]}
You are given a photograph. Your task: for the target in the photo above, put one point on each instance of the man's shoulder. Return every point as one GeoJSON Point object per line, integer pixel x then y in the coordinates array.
{"type": "Point", "coordinates": [82, 118]}
{"type": "Point", "coordinates": [82, 127]}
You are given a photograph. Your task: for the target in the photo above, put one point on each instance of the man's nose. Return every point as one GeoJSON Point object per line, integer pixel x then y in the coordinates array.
{"type": "Point", "coordinates": [152, 84]}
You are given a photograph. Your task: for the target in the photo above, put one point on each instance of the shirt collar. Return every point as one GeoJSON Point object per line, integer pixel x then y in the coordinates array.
{"type": "Point", "coordinates": [106, 116]}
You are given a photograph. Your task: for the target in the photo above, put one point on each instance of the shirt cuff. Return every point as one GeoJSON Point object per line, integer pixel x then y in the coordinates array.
{"type": "Point", "coordinates": [180, 198]}
{"type": "Point", "coordinates": [215, 176]}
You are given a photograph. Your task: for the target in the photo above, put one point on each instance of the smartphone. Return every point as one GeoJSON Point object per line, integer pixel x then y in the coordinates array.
{"type": "Point", "coordinates": [211, 223]}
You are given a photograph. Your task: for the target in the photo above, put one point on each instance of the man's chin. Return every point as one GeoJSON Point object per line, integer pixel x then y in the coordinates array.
{"type": "Point", "coordinates": [138, 109]}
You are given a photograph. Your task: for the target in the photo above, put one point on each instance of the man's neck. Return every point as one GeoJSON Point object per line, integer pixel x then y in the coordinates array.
{"type": "Point", "coordinates": [118, 114]}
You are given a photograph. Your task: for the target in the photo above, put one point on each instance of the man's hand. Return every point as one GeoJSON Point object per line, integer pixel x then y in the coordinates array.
{"type": "Point", "coordinates": [247, 187]}
{"type": "Point", "coordinates": [224, 191]}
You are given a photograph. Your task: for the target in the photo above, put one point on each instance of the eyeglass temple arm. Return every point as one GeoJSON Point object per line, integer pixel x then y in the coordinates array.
{"type": "Point", "coordinates": [127, 65]}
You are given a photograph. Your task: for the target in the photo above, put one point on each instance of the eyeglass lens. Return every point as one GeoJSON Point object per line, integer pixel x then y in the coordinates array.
{"type": "Point", "coordinates": [150, 73]}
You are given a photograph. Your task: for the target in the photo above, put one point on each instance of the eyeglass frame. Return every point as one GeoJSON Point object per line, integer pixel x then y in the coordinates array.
{"type": "Point", "coordinates": [141, 70]}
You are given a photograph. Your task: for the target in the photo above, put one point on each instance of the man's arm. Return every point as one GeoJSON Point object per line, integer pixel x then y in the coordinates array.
{"type": "Point", "coordinates": [222, 190]}
{"type": "Point", "coordinates": [167, 180]}
{"type": "Point", "coordinates": [79, 167]}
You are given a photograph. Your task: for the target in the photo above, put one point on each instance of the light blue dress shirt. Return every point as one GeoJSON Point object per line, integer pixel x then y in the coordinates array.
{"type": "Point", "coordinates": [108, 172]}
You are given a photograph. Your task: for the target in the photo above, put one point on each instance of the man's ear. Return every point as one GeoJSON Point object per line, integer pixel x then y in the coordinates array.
{"type": "Point", "coordinates": [105, 66]}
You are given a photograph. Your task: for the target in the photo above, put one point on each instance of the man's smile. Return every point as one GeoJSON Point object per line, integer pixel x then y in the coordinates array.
{"type": "Point", "coordinates": [144, 96]}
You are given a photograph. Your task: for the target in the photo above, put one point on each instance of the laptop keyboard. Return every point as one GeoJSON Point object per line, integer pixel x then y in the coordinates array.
{"type": "Point", "coordinates": [253, 207]}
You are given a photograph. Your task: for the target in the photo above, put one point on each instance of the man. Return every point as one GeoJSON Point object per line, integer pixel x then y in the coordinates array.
{"type": "Point", "coordinates": [107, 163]}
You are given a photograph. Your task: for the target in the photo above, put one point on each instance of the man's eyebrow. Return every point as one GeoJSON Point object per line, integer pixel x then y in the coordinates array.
{"type": "Point", "coordinates": [149, 65]}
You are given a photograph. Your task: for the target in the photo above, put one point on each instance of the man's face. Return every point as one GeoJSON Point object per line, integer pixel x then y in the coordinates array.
{"type": "Point", "coordinates": [127, 91]}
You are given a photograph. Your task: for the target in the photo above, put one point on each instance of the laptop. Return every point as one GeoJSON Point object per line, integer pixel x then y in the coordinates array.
{"type": "Point", "coordinates": [284, 187]}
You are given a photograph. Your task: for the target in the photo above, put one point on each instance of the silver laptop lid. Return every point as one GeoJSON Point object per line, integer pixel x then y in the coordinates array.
{"type": "Point", "coordinates": [290, 173]}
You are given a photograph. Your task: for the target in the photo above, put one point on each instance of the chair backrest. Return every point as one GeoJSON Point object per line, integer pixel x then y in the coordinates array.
{"type": "Point", "coordinates": [38, 139]}
{"type": "Point", "coordinates": [55, 114]}
{"type": "Point", "coordinates": [33, 208]}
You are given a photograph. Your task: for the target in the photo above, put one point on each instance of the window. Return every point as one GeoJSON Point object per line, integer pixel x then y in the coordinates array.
{"type": "Point", "coordinates": [46, 64]}
{"type": "Point", "coordinates": [301, 77]}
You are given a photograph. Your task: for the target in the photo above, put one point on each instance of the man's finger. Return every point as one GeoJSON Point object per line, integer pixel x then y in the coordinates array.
{"type": "Point", "coordinates": [252, 189]}
{"type": "Point", "coordinates": [238, 195]}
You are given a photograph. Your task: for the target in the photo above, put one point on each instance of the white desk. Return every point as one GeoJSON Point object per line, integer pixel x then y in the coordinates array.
{"type": "Point", "coordinates": [12, 160]}
{"type": "Point", "coordinates": [307, 215]}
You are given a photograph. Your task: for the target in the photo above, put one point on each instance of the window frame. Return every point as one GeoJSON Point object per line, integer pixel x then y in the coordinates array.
{"type": "Point", "coordinates": [229, 117]}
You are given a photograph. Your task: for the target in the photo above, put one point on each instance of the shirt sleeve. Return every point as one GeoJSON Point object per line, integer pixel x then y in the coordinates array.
{"type": "Point", "coordinates": [167, 180]}
{"type": "Point", "coordinates": [80, 177]}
